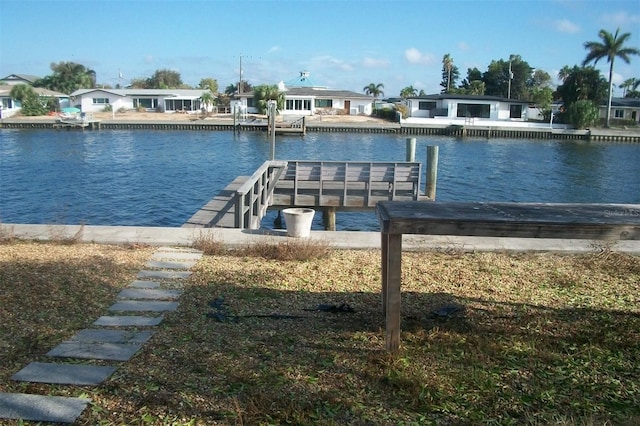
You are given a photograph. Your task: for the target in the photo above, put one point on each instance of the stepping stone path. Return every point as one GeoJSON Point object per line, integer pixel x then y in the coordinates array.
{"type": "Point", "coordinates": [146, 297]}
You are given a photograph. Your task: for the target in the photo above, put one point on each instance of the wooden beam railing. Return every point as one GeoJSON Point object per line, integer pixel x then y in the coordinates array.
{"type": "Point", "coordinates": [255, 195]}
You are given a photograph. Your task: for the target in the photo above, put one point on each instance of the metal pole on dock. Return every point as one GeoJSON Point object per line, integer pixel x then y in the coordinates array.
{"type": "Point", "coordinates": [411, 149]}
{"type": "Point", "coordinates": [432, 172]}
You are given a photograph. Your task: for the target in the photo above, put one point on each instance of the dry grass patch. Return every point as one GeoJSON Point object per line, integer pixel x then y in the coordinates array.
{"type": "Point", "coordinates": [537, 339]}
{"type": "Point", "coordinates": [50, 291]}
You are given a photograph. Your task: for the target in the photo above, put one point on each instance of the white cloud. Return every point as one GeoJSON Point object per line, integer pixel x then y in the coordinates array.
{"type": "Point", "coordinates": [273, 49]}
{"type": "Point", "coordinates": [322, 61]}
{"type": "Point", "coordinates": [375, 63]}
{"type": "Point", "coordinates": [149, 59]}
{"type": "Point", "coordinates": [414, 56]}
{"type": "Point", "coordinates": [620, 19]}
{"type": "Point", "coordinates": [463, 46]}
{"type": "Point", "coordinates": [566, 26]}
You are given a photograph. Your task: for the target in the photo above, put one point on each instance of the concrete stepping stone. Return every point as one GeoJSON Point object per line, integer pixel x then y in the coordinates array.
{"type": "Point", "coordinates": [176, 255]}
{"type": "Point", "coordinates": [104, 351]}
{"type": "Point", "coordinates": [128, 321]}
{"type": "Point", "coordinates": [149, 294]}
{"type": "Point", "coordinates": [65, 374]}
{"type": "Point", "coordinates": [164, 275]}
{"type": "Point", "coordinates": [144, 284]}
{"type": "Point", "coordinates": [144, 306]}
{"type": "Point", "coordinates": [111, 336]}
{"type": "Point", "coordinates": [169, 264]}
{"type": "Point", "coordinates": [40, 408]}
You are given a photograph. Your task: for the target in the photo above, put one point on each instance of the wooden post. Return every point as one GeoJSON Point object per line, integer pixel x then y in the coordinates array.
{"type": "Point", "coordinates": [329, 218]}
{"type": "Point", "coordinates": [411, 149]}
{"type": "Point", "coordinates": [432, 172]}
{"type": "Point", "coordinates": [272, 128]}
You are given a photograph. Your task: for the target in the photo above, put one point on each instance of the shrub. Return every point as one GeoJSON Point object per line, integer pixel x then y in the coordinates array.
{"type": "Point", "coordinates": [582, 114]}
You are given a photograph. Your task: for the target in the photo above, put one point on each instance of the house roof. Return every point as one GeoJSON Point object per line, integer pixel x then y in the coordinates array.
{"type": "Point", "coordinates": [324, 93]}
{"type": "Point", "coordinates": [302, 80]}
{"type": "Point", "coordinates": [182, 93]}
{"type": "Point", "coordinates": [443, 96]}
{"type": "Point", "coordinates": [41, 91]}
{"type": "Point", "coordinates": [21, 77]}
{"type": "Point", "coordinates": [624, 102]}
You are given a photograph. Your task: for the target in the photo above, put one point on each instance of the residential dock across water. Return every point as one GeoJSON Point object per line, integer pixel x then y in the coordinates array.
{"type": "Point", "coordinates": [475, 130]}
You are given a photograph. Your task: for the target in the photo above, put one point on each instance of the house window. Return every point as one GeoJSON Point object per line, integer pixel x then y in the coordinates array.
{"type": "Point", "coordinates": [7, 103]}
{"type": "Point", "coordinates": [324, 103]}
{"type": "Point", "coordinates": [618, 113]}
{"type": "Point", "coordinates": [148, 103]}
{"type": "Point", "coordinates": [425, 106]}
{"type": "Point", "coordinates": [474, 110]}
{"type": "Point", "coordinates": [515, 111]}
{"type": "Point", "coordinates": [298, 104]}
{"type": "Point", "coordinates": [100, 101]}
{"type": "Point", "coordinates": [250, 102]}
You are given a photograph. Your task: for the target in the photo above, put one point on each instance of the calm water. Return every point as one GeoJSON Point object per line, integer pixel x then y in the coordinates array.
{"type": "Point", "coordinates": [160, 178]}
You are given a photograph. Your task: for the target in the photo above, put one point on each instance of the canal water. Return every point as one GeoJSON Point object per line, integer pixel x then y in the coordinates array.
{"type": "Point", "coordinates": [160, 178]}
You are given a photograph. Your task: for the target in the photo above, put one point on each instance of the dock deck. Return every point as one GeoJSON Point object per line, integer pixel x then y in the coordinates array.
{"type": "Point", "coordinates": [332, 185]}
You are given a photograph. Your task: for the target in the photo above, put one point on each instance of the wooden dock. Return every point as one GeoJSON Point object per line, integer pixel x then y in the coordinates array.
{"type": "Point", "coordinates": [329, 185]}
{"type": "Point", "coordinates": [220, 211]}
{"type": "Point", "coordinates": [78, 123]}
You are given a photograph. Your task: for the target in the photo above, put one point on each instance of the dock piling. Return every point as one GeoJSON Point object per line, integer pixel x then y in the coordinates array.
{"type": "Point", "coordinates": [432, 172]}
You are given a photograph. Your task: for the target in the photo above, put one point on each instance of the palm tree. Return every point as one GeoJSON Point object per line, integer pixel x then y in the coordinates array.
{"type": "Point", "coordinates": [629, 85]}
{"type": "Point", "coordinates": [564, 73]}
{"type": "Point", "coordinates": [612, 46]}
{"type": "Point", "coordinates": [447, 64]}
{"type": "Point", "coordinates": [408, 92]}
{"type": "Point", "coordinates": [374, 90]}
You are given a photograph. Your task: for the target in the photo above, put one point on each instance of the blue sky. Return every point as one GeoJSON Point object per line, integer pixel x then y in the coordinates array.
{"type": "Point", "coordinates": [344, 44]}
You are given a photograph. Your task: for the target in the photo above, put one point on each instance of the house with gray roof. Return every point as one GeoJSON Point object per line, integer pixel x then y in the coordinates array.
{"type": "Point", "coordinates": [161, 100]}
{"type": "Point", "coordinates": [13, 79]}
{"type": "Point", "coordinates": [10, 107]}
{"type": "Point", "coordinates": [622, 109]}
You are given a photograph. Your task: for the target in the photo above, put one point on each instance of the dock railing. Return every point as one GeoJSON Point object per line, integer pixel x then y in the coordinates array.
{"type": "Point", "coordinates": [255, 195]}
{"type": "Point", "coordinates": [347, 184]}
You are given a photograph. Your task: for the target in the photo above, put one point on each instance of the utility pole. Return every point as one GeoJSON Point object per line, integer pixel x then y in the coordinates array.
{"type": "Point", "coordinates": [510, 78]}
{"type": "Point", "coordinates": [240, 80]}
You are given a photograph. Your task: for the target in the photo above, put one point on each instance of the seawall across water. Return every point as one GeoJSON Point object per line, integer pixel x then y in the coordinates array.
{"type": "Point", "coordinates": [373, 126]}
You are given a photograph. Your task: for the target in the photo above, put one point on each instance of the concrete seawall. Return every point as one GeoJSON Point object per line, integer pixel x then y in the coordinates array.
{"type": "Point", "coordinates": [598, 135]}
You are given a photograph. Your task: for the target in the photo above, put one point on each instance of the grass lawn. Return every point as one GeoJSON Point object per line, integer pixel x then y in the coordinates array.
{"type": "Point", "coordinates": [533, 338]}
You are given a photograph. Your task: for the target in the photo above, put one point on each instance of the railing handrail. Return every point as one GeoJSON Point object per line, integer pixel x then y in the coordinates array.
{"type": "Point", "coordinates": [259, 188]}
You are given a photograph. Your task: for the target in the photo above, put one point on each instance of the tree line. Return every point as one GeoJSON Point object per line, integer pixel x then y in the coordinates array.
{"type": "Point", "coordinates": [581, 90]}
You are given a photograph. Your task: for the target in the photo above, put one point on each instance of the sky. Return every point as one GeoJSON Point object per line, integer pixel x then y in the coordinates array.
{"type": "Point", "coordinates": [343, 44]}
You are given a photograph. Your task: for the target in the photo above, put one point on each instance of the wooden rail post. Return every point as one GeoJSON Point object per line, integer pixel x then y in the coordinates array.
{"type": "Point", "coordinates": [272, 128]}
{"type": "Point", "coordinates": [411, 150]}
{"type": "Point", "coordinates": [432, 172]}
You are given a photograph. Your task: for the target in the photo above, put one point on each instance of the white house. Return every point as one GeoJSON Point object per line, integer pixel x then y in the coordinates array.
{"type": "Point", "coordinates": [462, 107]}
{"type": "Point", "coordinates": [303, 98]}
{"type": "Point", "coordinates": [162, 100]}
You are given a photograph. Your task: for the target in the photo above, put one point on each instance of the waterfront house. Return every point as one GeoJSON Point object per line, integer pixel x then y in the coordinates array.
{"type": "Point", "coordinates": [622, 109]}
{"type": "Point", "coordinates": [160, 100]}
{"type": "Point", "coordinates": [303, 98]}
{"type": "Point", "coordinates": [455, 107]}
{"type": "Point", "coordinates": [10, 107]}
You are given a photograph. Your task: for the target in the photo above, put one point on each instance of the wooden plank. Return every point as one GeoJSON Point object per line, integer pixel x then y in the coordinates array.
{"type": "Point", "coordinates": [524, 220]}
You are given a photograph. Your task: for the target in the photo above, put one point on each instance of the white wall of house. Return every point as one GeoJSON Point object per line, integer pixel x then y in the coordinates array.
{"type": "Point", "coordinates": [448, 108]}
{"type": "Point", "coordinates": [621, 113]}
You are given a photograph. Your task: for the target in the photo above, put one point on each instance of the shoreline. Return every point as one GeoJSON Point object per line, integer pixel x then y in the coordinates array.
{"type": "Point", "coordinates": [132, 120]}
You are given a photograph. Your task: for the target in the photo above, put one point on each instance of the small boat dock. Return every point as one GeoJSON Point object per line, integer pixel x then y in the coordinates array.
{"type": "Point", "coordinates": [325, 185]}
{"type": "Point", "coordinates": [77, 121]}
